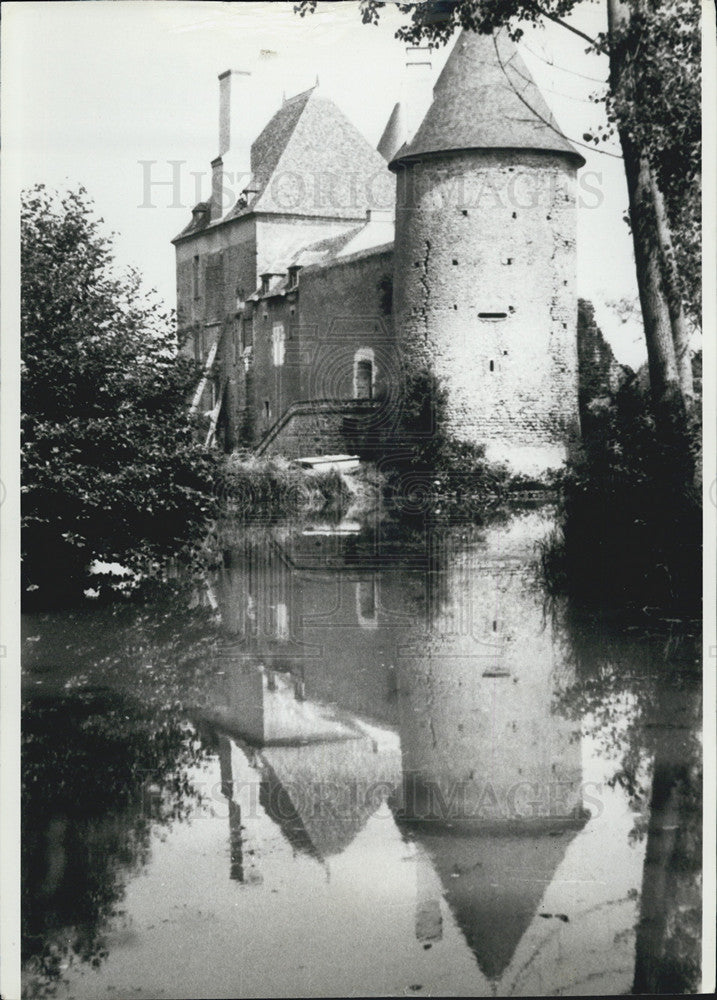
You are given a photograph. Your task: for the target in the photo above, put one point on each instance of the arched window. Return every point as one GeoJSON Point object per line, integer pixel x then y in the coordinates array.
{"type": "Point", "coordinates": [364, 373]}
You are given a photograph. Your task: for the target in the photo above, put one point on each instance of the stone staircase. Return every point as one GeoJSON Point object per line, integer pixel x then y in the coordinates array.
{"type": "Point", "coordinates": [313, 426]}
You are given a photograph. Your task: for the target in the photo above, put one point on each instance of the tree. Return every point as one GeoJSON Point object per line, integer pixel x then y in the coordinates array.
{"type": "Point", "coordinates": [653, 103]}
{"type": "Point", "coordinates": [111, 466]}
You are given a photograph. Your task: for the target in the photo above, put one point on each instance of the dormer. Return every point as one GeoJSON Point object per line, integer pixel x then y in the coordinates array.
{"type": "Point", "coordinates": [294, 276]}
{"type": "Point", "coordinates": [200, 214]}
{"type": "Point", "coordinates": [266, 281]}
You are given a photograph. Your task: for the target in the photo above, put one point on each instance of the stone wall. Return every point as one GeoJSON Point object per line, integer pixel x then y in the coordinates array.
{"type": "Point", "coordinates": [345, 308]}
{"type": "Point", "coordinates": [227, 252]}
{"type": "Point", "coordinates": [339, 316]}
{"type": "Point", "coordinates": [316, 429]}
{"type": "Point", "coordinates": [310, 434]}
{"type": "Point", "coordinates": [485, 294]}
{"type": "Point", "coordinates": [599, 371]}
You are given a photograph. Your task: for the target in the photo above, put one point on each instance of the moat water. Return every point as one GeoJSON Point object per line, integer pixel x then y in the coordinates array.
{"type": "Point", "coordinates": [361, 760]}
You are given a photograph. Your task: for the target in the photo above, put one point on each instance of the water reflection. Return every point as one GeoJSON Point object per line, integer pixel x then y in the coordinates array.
{"type": "Point", "coordinates": [414, 742]}
{"type": "Point", "coordinates": [99, 770]}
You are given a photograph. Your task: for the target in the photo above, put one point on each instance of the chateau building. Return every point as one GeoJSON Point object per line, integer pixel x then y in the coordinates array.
{"type": "Point", "coordinates": [311, 284]}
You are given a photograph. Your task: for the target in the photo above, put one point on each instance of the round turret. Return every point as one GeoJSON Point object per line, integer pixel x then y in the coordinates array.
{"type": "Point", "coordinates": [485, 256]}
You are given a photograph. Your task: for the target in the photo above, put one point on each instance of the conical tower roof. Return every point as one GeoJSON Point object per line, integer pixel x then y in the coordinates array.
{"type": "Point", "coordinates": [494, 883]}
{"type": "Point", "coordinates": [394, 134]}
{"type": "Point", "coordinates": [485, 98]}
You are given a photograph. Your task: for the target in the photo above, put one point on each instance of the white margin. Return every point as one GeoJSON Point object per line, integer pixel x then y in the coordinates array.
{"type": "Point", "coordinates": [10, 510]}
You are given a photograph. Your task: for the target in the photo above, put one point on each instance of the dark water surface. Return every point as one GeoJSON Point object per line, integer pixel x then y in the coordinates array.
{"type": "Point", "coordinates": [371, 762]}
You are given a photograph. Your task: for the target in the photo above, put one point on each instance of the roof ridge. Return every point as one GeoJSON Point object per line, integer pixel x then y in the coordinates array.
{"type": "Point", "coordinates": [296, 97]}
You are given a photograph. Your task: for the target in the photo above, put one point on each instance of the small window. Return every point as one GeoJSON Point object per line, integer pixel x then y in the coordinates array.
{"type": "Point", "coordinates": [455, 262]}
{"type": "Point", "coordinates": [265, 284]}
{"type": "Point", "coordinates": [294, 276]}
{"type": "Point", "coordinates": [278, 344]}
{"type": "Point", "coordinates": [492, 315]}
{"type": "Point", "coordinates": [364, 373]}
{"type": "Point", "coordinates": [267, 409]}
{"type": "Point", "coordinates": [492, 366]}
{"type": "Point", "coordinates": [364, 379]}
{"type": "Point", "coordinates": [507, 260]}
{"type": "Point", "coordinates": [282, 622]}
{"type": "Point", "coordinates": [195, 277]}
{"type": "Point", "coordinates": [367, 603]}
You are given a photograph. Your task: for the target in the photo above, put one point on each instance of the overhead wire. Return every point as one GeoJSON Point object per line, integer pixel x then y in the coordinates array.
{"type": "Point", "coordinates": [563, 69]}
{"type": "Point", "coordinates": [575, 142]}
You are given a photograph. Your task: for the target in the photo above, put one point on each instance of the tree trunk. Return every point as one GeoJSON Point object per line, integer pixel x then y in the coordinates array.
{"type": "Point", "coordinates": [662, 360]}
{"type": "Point", "coordinates": [665, 332]}
{"type": "Point", "coordinates": [680, 333]}
{"type": "Point", "coordinates": [668, 940]}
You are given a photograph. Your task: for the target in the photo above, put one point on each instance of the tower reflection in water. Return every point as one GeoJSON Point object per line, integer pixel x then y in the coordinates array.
{"type": "Point", "coordinates": [346, 682]}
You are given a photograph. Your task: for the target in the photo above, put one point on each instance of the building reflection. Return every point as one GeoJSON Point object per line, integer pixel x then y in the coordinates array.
{"type": "Point", "coordinates": [492, 774]}
{"type": "Point", "coordinates": [432, 685]}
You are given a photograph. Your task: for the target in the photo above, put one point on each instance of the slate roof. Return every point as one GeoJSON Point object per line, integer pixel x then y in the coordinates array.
{"type": "Point", "coordinates": [485, 98]}
{"type": "Point", "coordinates": [362, 240]}
{"type": "Point", "coordinates": [493, 884]}
{"type": "Point", "coordinates": [296, 777]}
{"type": "Point", "coordinates": [310, 160]}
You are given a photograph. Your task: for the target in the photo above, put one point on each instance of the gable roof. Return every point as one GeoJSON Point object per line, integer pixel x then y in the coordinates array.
{"type": "Point", "coordinates": [485, 98]}
{"type": "Point", "coordinates": [310, 160]}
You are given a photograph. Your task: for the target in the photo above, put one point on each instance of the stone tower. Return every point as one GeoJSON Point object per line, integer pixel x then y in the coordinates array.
{"type": "Point", "coordinates": [485, 256]}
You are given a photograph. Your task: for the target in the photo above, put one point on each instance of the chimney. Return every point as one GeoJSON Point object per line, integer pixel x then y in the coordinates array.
{"type": "Point", "coordinates": [233, 110]}
{"type": "Point", "coordinates": [417, 87]}
{"type": "Point", "coordinates": [231, 170]}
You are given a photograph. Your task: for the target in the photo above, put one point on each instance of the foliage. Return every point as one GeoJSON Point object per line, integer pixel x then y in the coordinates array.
{"type": "Point", "coordinates": [657, 107]}
{"type": "Point", "coordinates": [636, 692]}
{"type": "Point", "coordinates": [271, 488]}
{"type": "Point", "coordinates": [423, 465]}
{"type": "Point", "coordinates": [98, 772]}
{"type": "Point", "coordinates": [655, 103]}
{"type": "Point", "coordinates": [111, 466]}
{"type": "Point", "coordinates": [107, 757]}
{"type": "Point", "coordinates": [631, 528]}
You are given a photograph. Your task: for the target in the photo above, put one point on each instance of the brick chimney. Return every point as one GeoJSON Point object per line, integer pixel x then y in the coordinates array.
{"type": "Point", "coordinates": [232, 167]}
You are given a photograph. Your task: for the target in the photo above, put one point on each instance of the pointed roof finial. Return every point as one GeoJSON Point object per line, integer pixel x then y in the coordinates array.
{"type": "Point", "coordinates": [317, 80]}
